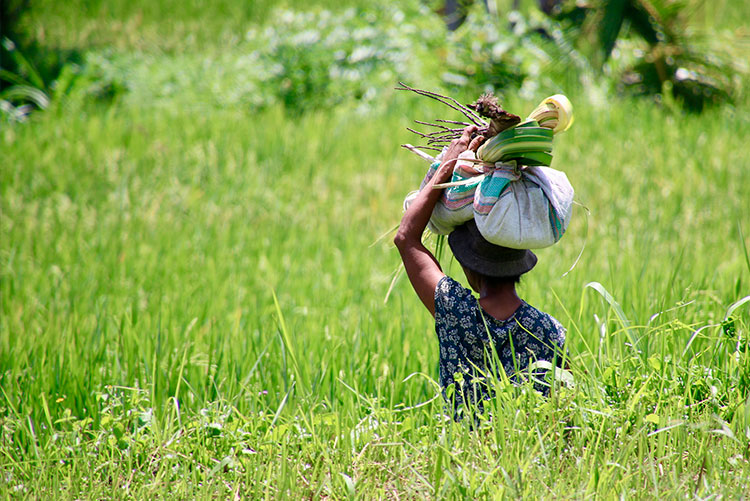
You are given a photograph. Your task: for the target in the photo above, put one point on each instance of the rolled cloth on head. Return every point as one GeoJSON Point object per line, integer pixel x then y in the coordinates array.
{"type": "Point", "coordinates": [516, 207]}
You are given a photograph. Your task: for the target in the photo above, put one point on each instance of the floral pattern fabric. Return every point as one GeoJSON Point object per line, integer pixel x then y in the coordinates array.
{"type": "Point", "coordinates": [469, 337]}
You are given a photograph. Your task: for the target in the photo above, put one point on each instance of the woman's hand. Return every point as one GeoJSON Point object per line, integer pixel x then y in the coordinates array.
{"type": "Point", "coordinates": [457, 146]}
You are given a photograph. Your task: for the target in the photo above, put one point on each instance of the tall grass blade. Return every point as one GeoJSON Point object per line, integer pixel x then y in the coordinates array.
{"type": "Point", "coordinates": [381, 237]}
{"type": "Point", "coordinates": [281, 406]}
{"type": "Point", "coordinates": [285, 337]}
{"type": "Point", "coordinates": [617, 309]}
{"type": "Point", "coordinates": [693, 337]}
{"type": "Point", "coordinates": [585, 237]}
{"type": "Point", "coordinates": [736, 305]}
{"type": "Point", "coordinates": [396, 275]}
{"type": "Point", "coordinates": [744, 245]}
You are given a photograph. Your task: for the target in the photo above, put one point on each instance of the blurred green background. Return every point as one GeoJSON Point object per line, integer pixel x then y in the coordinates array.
{"type": "Point", "coordinates": [192, 200]}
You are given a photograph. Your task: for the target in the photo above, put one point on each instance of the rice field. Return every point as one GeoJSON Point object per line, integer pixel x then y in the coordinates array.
{"type": "Point", "coordinates": [193, 305]}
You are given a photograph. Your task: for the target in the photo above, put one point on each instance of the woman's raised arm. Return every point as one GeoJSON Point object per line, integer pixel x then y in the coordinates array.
{"type": "Point", "coordinates": [422, 268]}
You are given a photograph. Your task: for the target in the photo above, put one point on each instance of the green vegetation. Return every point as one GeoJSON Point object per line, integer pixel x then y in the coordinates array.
{"type": "Point", "coordinates": [192, 287]}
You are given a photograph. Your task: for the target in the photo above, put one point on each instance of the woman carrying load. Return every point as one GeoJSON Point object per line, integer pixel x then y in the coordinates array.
{"type": "Point", "coordinates": [476, 336]}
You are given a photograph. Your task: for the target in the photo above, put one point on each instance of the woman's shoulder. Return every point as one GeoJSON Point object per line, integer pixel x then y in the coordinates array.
{"type": "Point", "coordinates": [538, 320]}
{"type": "Point", "coordinates": [447, 286]}
{"type": "Point", "coordinates": [451, 296]}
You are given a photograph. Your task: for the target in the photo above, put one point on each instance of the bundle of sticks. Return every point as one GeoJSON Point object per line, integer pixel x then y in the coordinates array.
{"type": "Point", "coordinates": [486, 107]}
{"type": "Point", "coordinates": [506, 137]}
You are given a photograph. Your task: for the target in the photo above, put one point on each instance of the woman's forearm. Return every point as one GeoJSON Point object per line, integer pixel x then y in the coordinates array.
{"type": "Point", "coordinates": [421, 267]}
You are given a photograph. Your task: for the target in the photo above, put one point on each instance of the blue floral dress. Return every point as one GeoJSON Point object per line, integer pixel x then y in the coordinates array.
{"type": "Point", "coordinates": [468, 337]}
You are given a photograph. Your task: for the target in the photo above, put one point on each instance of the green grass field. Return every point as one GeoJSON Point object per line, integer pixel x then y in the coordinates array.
{"type": "Point", "coordinates": [192, 301]}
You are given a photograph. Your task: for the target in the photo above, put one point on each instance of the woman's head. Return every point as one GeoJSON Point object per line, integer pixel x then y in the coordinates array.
{"type": "Point", "coordinates": [487, 261]}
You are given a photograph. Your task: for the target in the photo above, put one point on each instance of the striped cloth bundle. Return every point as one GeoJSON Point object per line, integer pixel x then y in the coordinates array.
{"type": "Point", "coordinates": [519, 207]}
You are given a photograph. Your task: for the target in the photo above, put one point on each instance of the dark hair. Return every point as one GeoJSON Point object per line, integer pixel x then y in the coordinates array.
{"type": "Point", "coordinates": [493, 282]}
{"type": "Point", "coordinates": [498, 281]}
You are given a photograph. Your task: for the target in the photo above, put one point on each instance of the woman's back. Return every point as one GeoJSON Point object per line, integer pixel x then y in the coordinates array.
{"type": "Point", "coordinates": [469, 337]}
